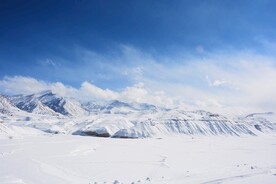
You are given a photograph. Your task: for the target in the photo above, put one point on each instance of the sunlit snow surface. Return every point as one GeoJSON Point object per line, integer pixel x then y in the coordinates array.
{"type": "Point", "coordinates": [44, 140]}
{"type": "Point", "coordinates": [67, 159]}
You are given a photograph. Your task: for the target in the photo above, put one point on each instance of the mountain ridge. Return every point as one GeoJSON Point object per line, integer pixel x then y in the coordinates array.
{"type": "Point", "coordinates": [54, 113]}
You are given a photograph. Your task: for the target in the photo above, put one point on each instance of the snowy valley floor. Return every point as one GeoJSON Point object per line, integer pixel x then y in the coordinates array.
{"type": "Point", "coordinates": [64, 159]}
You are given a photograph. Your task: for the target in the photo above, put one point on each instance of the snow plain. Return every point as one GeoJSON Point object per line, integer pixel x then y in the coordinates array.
{"type": "Point", "coordinates": [43, 140]}
{"type": "Point", "coordinates": [64, 159]}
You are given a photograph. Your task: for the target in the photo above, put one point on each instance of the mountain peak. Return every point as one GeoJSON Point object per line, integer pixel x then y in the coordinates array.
{"type": "Point", "coordinates": [259, 114]}
{"type": "Point", "coordinates": [45, 92]}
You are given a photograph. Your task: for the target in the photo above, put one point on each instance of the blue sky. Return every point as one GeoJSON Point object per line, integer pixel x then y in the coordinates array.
{"type": "Point", "coordinates": [163, 45]}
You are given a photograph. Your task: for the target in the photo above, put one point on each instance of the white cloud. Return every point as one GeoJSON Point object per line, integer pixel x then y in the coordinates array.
{"type": "Point", "coordinates": [90, 91]}
{"type": "Point", "coordinates": [230, 83]}
{"type": "Point", "coordinates": [138, 93]}
{"type": "Point", "coordinates": [22, 85]}
{"type": "Point", "coordinates": [238, 81]}
{"type": "Point", "coordinates": [215, 83]}
{"type": "Point", "coordinates": [87, 91]}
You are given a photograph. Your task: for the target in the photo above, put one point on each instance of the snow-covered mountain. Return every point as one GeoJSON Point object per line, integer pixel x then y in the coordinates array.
{"type": "Point", "coordinates": [48, 103]}
{"type": "Point", "coordinates": [167, 123]}
{"type": "Point", "coordinates": [52, 113]}
{"type": "Point", "coordinates": [6, 106]}
{"type": "Point", "coordinates": [119, 107]}
{"type": "Point", "coordinates": [263, 122]}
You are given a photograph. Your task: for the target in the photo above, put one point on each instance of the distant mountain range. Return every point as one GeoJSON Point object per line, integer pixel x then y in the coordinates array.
{"type": "Point", "coordinates": [52, 113]}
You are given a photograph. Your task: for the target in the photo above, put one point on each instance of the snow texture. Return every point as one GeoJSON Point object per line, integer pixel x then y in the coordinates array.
{"type": "Point", "coordinates": [47, 138]}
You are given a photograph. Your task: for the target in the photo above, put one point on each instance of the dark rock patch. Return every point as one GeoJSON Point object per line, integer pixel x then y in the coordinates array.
{"type": "Point", "coordinates": [93, 133]}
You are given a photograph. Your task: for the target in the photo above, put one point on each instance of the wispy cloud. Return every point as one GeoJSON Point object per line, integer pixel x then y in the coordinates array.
{"type": "Point", "coordinates": [233, 82]}
{"type": "Point", "coordinates": [47, 62]}
{"type": "Point", "coordinates": [216, 82]}
{"type": "Point", "coordinates": [238, 81]}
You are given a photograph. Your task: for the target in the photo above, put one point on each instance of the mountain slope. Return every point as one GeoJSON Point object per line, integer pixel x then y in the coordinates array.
{"type": "Point", "coordinates": [6, 106]}
{"type": "Point", "coordinates": [48, 103]}
{"type": "Point", "coordinates": [119, 107]}
{"type": "Point", "coordinates": [53, 113]}
{"type": "Point", "coordinates": [262, 122]}
{"type": "Point", "coordinates": [169, 123]}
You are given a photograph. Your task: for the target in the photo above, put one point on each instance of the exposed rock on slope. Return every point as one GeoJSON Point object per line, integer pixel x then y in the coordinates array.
{"type": "Point", "coordinates": [48, 103]}
{"type": "Point", "coordinates": [53, 113]}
